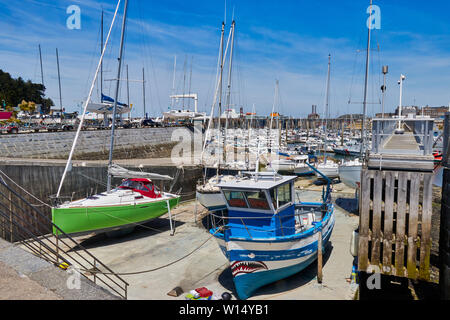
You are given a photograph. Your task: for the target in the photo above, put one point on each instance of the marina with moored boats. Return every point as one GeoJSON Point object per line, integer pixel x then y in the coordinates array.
{"type": "Point", "coordinates": [220, 202]}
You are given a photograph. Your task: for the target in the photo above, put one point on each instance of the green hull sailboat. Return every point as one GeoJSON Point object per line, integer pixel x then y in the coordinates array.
{"type": "Point", "coordinates": [135, 201]}
{"type": "Point", "coordinates": [86, 216]}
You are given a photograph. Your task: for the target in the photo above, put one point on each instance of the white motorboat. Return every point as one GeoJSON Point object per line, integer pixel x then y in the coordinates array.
{"type": "Point", "coordinates": [301, 168]}
{"type": "Point", "coordinates": [209, 194]}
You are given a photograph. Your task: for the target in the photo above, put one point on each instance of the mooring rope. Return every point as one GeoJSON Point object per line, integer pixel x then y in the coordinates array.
{"type": "Point", "coordinates": [157, 268]}
{"type": "Point", "coordinates": [33, 196]}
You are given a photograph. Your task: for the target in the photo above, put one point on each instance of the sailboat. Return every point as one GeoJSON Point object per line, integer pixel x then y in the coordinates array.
{"type": "Point", "coordinates": [350, 171]}
{"type": "Point", "coordinates": [135, 201]}
{"type": "Point", "coordinates": [328, 168]}
{"type": "Point", "coordinates": [209, 194]}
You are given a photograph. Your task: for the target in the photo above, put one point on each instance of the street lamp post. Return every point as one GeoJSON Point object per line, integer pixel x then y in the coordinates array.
{"type": "Point", "coordinates": [385, 70]}
{"type": "Point", "coordinates": [400, 129]}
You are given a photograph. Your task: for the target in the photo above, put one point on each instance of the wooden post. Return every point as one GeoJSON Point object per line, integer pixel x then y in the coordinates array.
{"type": "Point", "coordinates": [444, 237]}
{"type": "Point", "coordinates": [170, 218]}
{"type": "Point", "coordinates": [364, 217]}
{"type": "Point", "coordinates": [319, 257]}
{"type": "Point", "coordinates": [195, 209]}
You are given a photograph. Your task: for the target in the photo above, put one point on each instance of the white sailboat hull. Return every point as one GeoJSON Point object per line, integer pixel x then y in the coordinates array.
{"type": "Point", "coordinates": [285, 166]}
{"type": "Point", "coordinates": [350, 175]}
{"type": "Point", "coordinates": [329, 171]}
{"type": "Point", "coordinates": [303, 170]}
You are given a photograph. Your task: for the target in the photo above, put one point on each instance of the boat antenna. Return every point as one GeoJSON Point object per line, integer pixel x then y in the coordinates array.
{"type": "Point", "coordinates": [117, 94]}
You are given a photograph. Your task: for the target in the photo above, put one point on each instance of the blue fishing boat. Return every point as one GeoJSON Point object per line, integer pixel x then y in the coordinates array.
{"type": "Point", "coordinates": [266, 235]}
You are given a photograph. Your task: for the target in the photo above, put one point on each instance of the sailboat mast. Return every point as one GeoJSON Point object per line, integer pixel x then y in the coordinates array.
{"type": "Point", "coordinates": [59, 82]}
{"type": "Point", "coordinates": [42, 70]}
{"type": "Point", "coordinates": [143, 91]}
{"type": "Point", "coordinates": [128, 94]}
{"type": "Point", "coordinates": [190, 84]}
{"type": "Point", "coordinates": [83, 115]}
{"type": "Point", "coordinates": [117, 94]}
{"type": "Point", "coordinates": [220, 91]}
{"type": "Point", "coordinates": [173, 82]}
{"type": "Point", "coordinates": [327, 111]}
{"type": "Point", "coordinates": [366, 82]}
{"type": "Point", "coordinates": [101, 66]}
{"type": "Point", "coordinates": [229, 84]}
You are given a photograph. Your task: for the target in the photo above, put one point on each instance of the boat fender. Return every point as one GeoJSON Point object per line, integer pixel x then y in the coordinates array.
{"type": "Point", "coordinates": [354, 243]}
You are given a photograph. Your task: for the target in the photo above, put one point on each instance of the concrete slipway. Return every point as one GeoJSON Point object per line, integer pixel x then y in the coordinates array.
{"type": "Point", "coordinates": [151, 246]}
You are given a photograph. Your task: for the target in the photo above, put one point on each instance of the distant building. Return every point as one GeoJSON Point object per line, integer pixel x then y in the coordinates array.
{"type": "Point", "coordinates": [434, 112]}
{"type": "Point", "coordinates": [349, 117]}
{"type": "Point", "coordinates": [386, 115]}
{"type": "Point", "coordinates": [313, 115]}
{"type": "Point", "coordinates": [408, 110]}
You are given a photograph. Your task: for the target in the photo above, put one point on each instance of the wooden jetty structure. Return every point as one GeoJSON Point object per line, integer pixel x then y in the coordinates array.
{"type": "Point", "coordinates": [396, 200]}
{"type": "Point", "coordinates": [444, 236]}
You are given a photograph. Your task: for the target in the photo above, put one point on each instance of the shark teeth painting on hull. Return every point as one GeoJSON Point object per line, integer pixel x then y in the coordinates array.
{"type": "Point", "coordinates": [239, 267]}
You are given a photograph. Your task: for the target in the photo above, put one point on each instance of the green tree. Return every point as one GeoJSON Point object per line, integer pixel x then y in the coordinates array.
{"type": "Point", "coordinates": [14, 91]}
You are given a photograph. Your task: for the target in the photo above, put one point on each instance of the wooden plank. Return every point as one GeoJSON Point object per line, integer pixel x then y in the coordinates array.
{"type": "Point", "coordinates": [376, 218]}
{"type": "Point", "coordinates": [401, 223]}
{"type": "Point", "coordinates": [425, 237]}
{"type": "Point", "coordinates": [413, 224]}
{"type": "Point", "coordinates": [388, 221]}
{"type": "Point", "coordinates": [364, 216]}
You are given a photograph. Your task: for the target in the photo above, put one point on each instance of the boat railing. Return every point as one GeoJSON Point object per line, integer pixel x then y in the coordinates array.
{"type": "Point", "coordinates": [22, 222]}
{"type": "Point", "coordinates": [219, 219]}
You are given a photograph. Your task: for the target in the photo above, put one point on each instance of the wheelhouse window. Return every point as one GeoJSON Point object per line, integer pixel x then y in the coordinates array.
{"type": "Point", "coordinates": [235, 199]}
{"type": "Point", "coordinates": [281, 195]}
{"type": "Point", "coordinates": [257, 200]}
{"type": "Point", "coordinates": [284, 194]}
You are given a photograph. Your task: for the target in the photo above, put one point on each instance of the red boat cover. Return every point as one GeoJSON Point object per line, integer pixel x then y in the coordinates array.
{"type": "Point", "coordinates": [5, 115]}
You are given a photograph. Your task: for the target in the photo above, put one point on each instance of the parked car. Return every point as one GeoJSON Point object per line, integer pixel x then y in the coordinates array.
{"type": "Point", "coordinates": [150, 123]}
{"type": "Point", "coordinates": [10, 128]}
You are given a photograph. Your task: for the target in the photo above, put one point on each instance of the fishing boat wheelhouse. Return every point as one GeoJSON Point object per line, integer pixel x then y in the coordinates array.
{"type": "Point", "coordinates": [266, 236]}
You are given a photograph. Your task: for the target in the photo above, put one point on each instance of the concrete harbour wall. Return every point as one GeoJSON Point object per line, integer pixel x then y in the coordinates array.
{"type": "Point", "coordinates": [42, 179]}
{"type": "Point", "coordinates": [92, 145]}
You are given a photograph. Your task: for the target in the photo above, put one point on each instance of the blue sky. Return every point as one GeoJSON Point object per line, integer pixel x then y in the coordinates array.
{"type": "Point", "coordinates": [287, 40]}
